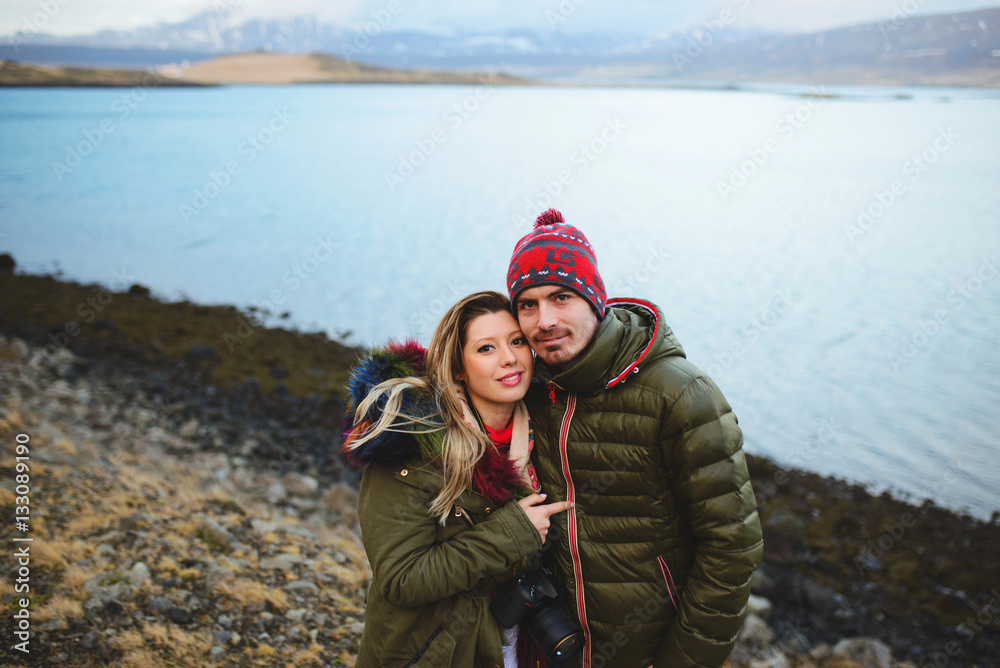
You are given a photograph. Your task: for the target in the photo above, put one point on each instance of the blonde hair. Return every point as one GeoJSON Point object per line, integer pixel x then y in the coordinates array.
{"type": "Point", "coordinates": [463, 444]}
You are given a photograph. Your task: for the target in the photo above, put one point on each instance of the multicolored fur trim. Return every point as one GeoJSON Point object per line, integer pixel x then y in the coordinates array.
{"type": "Point", "coordinates": [496, 477]}
{"type": "Point", "coordinates": [391, 448]}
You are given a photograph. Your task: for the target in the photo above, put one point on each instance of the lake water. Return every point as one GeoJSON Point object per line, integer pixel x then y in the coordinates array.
{"type": "Point", "coordinates": [860, 346]}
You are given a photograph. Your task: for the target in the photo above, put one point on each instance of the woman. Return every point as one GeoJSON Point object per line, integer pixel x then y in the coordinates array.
{"type": "Point", "coordinates": [449, 505]}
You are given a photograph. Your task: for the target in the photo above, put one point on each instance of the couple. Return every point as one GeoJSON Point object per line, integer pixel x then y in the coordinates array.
{"type": "Point", "coordinates": [619, 468]}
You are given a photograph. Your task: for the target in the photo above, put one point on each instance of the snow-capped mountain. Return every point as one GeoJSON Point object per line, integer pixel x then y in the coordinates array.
{"type": "Point", "coordinates": [909, 44]}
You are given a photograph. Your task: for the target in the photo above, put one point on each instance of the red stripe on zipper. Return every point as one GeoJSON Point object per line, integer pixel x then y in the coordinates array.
{"type": "Point", "coordinates": [668, 580]}
{"type": "Point", "coordinates": [649, 346]}
{"type": "Point", "coordinates": [574, 548]}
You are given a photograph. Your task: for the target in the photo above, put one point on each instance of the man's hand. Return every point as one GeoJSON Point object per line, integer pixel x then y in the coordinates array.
{"type": "Point", "coordinates": [539, 514]}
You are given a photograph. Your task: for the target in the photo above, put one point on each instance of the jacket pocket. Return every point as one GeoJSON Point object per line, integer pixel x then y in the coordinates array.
{"type": "Point", "coordinates": [436, 652]}
{"type": "Point", "coordinates": [668, 580]}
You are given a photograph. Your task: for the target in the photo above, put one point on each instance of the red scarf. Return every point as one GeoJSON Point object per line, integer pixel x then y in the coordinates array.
{"type": "Point", "coordinates": [501, 436]}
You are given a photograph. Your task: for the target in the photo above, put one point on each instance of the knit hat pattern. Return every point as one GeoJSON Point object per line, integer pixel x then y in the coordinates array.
{"type": "Point", "coordinates": [556, 253]}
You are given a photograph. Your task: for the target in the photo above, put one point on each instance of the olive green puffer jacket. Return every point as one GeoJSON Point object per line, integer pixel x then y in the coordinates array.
{"type": "Point", "coordinates": [657, 554]}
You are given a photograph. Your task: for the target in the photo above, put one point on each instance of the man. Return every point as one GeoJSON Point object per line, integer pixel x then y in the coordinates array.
{"type": "Point", "coordinates": [656, 556]}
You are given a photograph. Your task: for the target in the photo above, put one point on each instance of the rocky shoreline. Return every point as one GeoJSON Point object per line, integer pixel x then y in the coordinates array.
{"type": "Point", "coordinates": [189, 507]}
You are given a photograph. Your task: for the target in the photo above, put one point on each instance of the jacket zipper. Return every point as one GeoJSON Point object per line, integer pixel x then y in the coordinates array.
{"type": "Point", "coordinates": [574, 548]}
{"type": "Point", "coordinates": [420, 652]}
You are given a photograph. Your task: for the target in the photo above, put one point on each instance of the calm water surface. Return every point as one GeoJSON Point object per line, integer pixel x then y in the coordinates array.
{"type": "Point", "coordinates": [859, 346]}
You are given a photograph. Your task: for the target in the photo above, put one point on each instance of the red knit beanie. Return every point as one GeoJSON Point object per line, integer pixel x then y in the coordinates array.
{"type": "Point", "coordinates": [555, 253]}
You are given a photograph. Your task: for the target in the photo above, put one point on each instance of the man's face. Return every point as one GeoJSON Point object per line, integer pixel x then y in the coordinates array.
{"type": "Point", "coordinates": [558, 322]}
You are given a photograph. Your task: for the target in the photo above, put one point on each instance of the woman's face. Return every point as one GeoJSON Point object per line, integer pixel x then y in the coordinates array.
{"type": "Point", "coordinates": [497, 361]}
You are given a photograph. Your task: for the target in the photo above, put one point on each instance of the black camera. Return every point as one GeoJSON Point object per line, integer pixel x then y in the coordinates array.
{"type": "Point", "coordinates": [530, 599]}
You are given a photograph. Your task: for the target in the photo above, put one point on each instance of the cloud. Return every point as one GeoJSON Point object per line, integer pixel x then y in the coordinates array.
{"type": "Point", "coordinates": [74, 17]}
{"type": "Point", "coordinates": [818, 15]}
{"type": "Point", "coordinates": [341, 12]}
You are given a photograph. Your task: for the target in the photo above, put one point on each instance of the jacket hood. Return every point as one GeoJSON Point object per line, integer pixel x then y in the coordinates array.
{"type": "Point", "coordinates": [391, 448]}
{"type": "Point", "coordinates": [631, 335]}
{"type": "Point", "coordinates": [498, 476]}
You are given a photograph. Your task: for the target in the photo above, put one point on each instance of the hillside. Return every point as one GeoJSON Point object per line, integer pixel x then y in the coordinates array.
{"type": "Point", "coordinates": [17, 74]}
{"type": "Point", "coordinates": [286, 68]}
{"type": "Point", "coordinates": [939, 50]}
{"type": "Point", "coordinates": [240, 68]}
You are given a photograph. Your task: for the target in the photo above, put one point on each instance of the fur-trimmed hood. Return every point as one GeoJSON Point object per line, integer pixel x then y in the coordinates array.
{"type": "Point", "coordinates": [496, 476]}
{"type": "Point", "coordinates": [390, 448]}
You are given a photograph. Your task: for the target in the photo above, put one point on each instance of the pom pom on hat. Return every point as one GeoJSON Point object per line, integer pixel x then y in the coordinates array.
{"type": "Point", "coordinates": [549, 217]}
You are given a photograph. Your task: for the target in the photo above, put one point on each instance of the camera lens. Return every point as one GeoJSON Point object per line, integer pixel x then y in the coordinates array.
{"type": "Point", "coordinates": [554, 632]}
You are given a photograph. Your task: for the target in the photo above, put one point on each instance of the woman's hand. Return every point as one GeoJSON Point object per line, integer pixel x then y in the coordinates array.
{"type": "Point", "coordinates": [539, 514]}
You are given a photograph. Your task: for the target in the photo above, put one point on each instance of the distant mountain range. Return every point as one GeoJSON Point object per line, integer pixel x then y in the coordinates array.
{"type": "Point", "coordinates": [945, 49]}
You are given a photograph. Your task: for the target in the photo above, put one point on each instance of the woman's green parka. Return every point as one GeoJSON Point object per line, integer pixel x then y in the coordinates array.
{"type": "Point", "coordinates": [428, 602]}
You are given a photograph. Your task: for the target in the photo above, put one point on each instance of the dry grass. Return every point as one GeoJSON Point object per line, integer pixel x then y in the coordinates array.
{"type": "Point", "coordinates": [74, 576]}
{"type": "Point", "coordinates": [176, 641]}
{"type": "Point", "coordinates": [347, 659]}
{"type": "Point", "coordinates": [186, 528]}
{"type": "Point", "coordinates": [6, 587]}
{"type": "Point", "coordinates": [129, 640]}
{"type": "Point", "coordinates": [175, 542]}
{"type": "Point", "coordinates": [249, 593]}
{"type": "Point", "coordinates": [153, 643]}
{"type": "Point", "coordinates": [350, 576]}
{"type": "Point", "coordinates": [139, 658]}
{"type": "Point", "coordinates": [168, 565]}
{"type": "Point", "coordinates": [12, 421]}
{"type": "Point", "coordinates": [138, 481]}
{"type": "Point", "coordinates": [66, 447]}
{"type": "Point", "coordinates": [61, 607]}
{"type": "Point", "coordinates": [345, 604]}
{"type": "Point", "coordinates": [88, 522]}
{"type": "Point", "coordinates": [56, 553]}
{"type": "Point", "coordinates": [307, 657]}
{"type": "Point", "coordinates": [263, 656]}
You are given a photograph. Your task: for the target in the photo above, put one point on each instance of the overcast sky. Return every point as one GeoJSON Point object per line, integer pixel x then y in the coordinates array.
{"type": "Point", "coordinates": [70, 17]}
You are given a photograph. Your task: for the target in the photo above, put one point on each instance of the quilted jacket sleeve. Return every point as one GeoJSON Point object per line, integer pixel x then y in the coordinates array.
{"type": "Point", "coordinates": [702, 440]}
{"type": "Point", "coordinates": [412, 567]}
